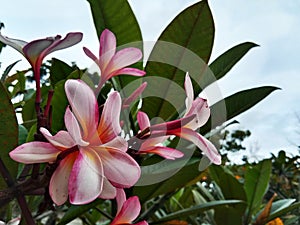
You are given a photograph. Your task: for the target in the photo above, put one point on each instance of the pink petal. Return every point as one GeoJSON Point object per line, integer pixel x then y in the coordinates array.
{"type": "Point", "coordinates": [107, 48]}
{"type": "Point", "coordinates": [35, 152]}
{"type": "Point", "coordinates": [84, 105]}
{"type": "Point", "coordinates": [14, 43]}
{"type": "Point", "coordinates": [108, 191]}
{"type": "Point", "coordinates": [74, 128]}
{"type": "Point", "coordinates": [119, 168]}
{"type": "Point", "coordinates": [34, 49]}
{"type": "Point", "coordinates": [142, 223]}
{"type": "Point", "coordinates": [134, 95]}
{"type": "Point", "coordinates": [172, 125]}
{"type": "Point", "coordinates": [128, 71]}
{"type": "Point", "coordinates": [201, 142]}
{"type": "Point", "coordinates": [109, 125]}
{"type": "Point", "coordinates": [121, 198]}
{"type": "Point", "coordinates": [143, 120]}
{"type": "Point", "coordinates": [123, 58]}
{"type": "Point", "coordinates": [189, 92]}
{"type": "Point", "coordinates": [62, 140]}
{"type": "Point", "coordinates": [86, 178]}
{"type": "Point", "coordinates": [129, 212]}
{"type": "Point", "coordinates": [90, 54]}
{"type": "Point", "coordinates": [201, 110]}
{"type": "Point", "coordinates": [165, 152]}
{"type": "Point", "coordinates": [71, 39]}
{"type": "Point", "coordinates": [118, 143]}
{"type": "Point", "coordinates": [58, 187]}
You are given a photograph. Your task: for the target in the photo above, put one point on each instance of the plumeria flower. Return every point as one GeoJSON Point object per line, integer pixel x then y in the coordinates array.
{"type": "Point", "coordinates": [128, 210]}
{"type": "Point", "coordinates": [35, 51]}
{"type": "Point", "coordinates": [154, 144]}
{"type": "Point", "coordinates": [196, 115]}
{"type": "Point", "coordinates": [92, 159]}
{"type": "Point", "coordinates": [112, 62]}
{"type": "Point", "coordinates": [127, 101]}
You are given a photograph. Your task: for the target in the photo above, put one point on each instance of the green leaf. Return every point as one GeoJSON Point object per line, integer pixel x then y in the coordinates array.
{"type": "Point", "coordinates": [199, 209]}
{"type": "Point", "coordinates": [8, 133]}
{"type": "Point", "coordinates": [185, 45]}
{"type": "Point", "coordinates": [59, 70]}
{"type": "Point", "coordinates": [283, 211]}
{"type": "Point", "coordinates": [230, 186]}
{"type": "Point", "coordinates": [8, 69]}
{"type": "Point", "coordinates": [231, 189]}
{"type": "Point", "coordinates": [235, 104]}
{"type": "Point", "coordinates": [75, 211]}
{"type": "Point", "coordinates": [256, 183]}
{"type": "Point", "coordinates": [223, 64]}
{"type": "Point", "coordinates": [180, 179]}
{"type": "Point", "coordinates": [118, 17]}
{"type": "Point", "coordinates": [22, 134]}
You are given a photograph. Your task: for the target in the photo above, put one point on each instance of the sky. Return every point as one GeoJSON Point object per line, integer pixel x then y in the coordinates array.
{"type": "Point", "coordinates": [274, 25]}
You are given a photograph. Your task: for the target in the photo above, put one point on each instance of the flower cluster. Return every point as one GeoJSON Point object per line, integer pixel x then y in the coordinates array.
{"type": "Point", "coordinates": [92, 150]}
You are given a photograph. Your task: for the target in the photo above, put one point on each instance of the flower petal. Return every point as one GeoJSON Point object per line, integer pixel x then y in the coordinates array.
{"type": "Point", "coordinates": [86, 178]}
{"type": "Point", "coordinates": [165, 152]}
{"type": "Point", "coordinates": [143, 120]}
{"type": "Point", "coordinates": [62, 140]}
{"type": "Point", "coordinates": [117, 143]}
{"type": "Point", "coordinates": [108, 191]}
{"type": "Point", "coordinates": [129, 212]}
{"type": "Point", "coordinates": [201, 142]}
{"type": "Point", "coordinates": [128, 71]}
{"type": "Point", "coordinates": [14, 43]}
{"type": "Point", "coordinates": [109, 125]}
{"type": "Point", "coordinates": [134, 95]}
{"type": "Point", "coordinates": [71, 39]}
{"type": "Point", "coordinates": [58, 187]}
{"type": "Point", "coordinates": [90, 54]}
{"type": "Point", "coordinates": [74, 128]}
{"type": "Point", "coordinates": [123, 58]}
{"type": "Point", "coordinates": [189, 92]}
{"type": "Point", "coordinates": [35, 152]}
{"type": "Point", "coordinates": [119, 167]}
{"type": "Point", "coordinates": [200, 108]}
{"type": "Point", "coordinates": [121, 198]}
{"type": "Point", "coordinates": [84, 105]}
{"type": "Point", "coordinates": [107, 48]}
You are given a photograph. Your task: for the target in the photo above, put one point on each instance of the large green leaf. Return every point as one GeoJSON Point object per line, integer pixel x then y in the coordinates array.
{"type": "Point", "coordinates": [185, 175]}
{"type": "Point", "coordinates": [256, 183]}
{"type": "Point", "coordinates": [223, 64]}
{"type": "Point", "coordinates": [185, 45]}
{"type": "Point", "coordinates": [118, 17]}
{"type": "Point", "coordinates": [59, 70]}
{"type": "Point", "coordinates": [199, 209]}
{"type": "Point", "coordinates": [235, 104]}
{"type": "Point", "coordinates": [75, 211]}
{"type": "Point", "coordinates": [231, 189]}
{"type": "Point", "coordinates": [8, 133]}
{"type": "Point", "coordinates": [230, 186]}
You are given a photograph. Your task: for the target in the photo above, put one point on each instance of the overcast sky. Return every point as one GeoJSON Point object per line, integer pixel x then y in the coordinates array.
{"type": "Point", "coordinates": [274, 25]}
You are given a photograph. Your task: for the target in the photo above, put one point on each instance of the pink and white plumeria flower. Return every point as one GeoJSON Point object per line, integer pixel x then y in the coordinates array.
{"type": "Point", "coordinates": [128, 210]}
{"type": "Point", "coordinates": [112, 62]}
{"type": "Point", "coordinates": [197, 114]}
{"type": "Point", "coordinates": [92, 159]}
{"type": "Point", "coordinates": [35, 51]}
{"type": "Point", "coordinates": [153, 145]}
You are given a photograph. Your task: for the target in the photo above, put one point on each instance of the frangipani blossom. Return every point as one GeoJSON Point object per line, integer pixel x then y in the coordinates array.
{"type": "Point", "coordinates": [127, 101]}
{"type": "Point", "coordinates": [112, 62]}
{"type": "Point", "coordinates": [154, 144]}
{"type": "Point", "coordinates": [196, 115]}
{"type": "Point", "coordinates": [35, 51]}
{"type": "Point", "coordinates": [92, 159]}
{"type": "Point", "coordinates": [128, 210]}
